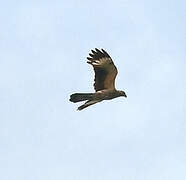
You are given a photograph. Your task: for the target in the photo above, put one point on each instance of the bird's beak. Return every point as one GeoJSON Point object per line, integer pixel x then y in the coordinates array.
{"type": "Point", "coordinates": [125, 95]}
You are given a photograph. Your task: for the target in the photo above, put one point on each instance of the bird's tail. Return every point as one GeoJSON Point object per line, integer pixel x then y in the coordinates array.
{"type": "Point", "coordinates": [77, 97]}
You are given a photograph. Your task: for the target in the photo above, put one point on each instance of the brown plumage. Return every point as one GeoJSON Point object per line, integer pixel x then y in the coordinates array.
{"type": "Point", "coordinates": [104, 82]}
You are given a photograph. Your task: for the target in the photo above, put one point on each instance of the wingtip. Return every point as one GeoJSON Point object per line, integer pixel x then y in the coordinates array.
{"type": "Point", "coordinates": [98, 50]}
{"type": "Point", "coordinates": [79, 108]}
{"type": "Point", "coordinates": [103, 50]}
{"type": "Point", "coordinates": [94, 52]}
{"type": "Point", "coordinates": [91, 55]}
{"type": "Point", "coordinates": [89, 62]}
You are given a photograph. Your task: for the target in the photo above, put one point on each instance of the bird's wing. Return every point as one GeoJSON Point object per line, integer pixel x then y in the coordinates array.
{"type": "Point", "coordinates": [105, 70]}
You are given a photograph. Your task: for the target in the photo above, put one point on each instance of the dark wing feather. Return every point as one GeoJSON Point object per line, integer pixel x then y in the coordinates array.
{"type": "Point", "coordinates": [105, 70]}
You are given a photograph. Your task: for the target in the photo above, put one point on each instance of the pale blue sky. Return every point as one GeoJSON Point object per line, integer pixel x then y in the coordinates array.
{"type": "Point", "coordinates": [43, 49]}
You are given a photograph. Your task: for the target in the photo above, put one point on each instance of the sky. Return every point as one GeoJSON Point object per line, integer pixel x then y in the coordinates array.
{"type": "Point", "coordinates": [43, 50]}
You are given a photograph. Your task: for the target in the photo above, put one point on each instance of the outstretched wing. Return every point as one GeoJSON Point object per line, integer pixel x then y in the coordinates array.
{"type": "Point", "coordinates": [105, 70]}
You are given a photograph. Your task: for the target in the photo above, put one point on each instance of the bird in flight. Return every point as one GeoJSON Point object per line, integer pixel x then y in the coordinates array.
{"type": "Point", "coordinates": [104, 82]}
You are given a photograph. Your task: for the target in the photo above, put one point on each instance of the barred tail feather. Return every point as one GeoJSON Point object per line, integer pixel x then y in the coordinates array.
{"type": "Point", "coordinates": [77, 97]}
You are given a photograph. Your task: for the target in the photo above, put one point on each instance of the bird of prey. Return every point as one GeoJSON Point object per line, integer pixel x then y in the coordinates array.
{"type": "Point", "coordinates": [104, 82]}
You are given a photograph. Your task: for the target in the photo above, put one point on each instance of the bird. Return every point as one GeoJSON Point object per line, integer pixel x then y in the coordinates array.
{"type": "Point", "coordinates": [104, 80]}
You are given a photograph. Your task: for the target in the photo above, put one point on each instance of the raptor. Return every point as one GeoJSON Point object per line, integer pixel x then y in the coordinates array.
{"type": "Point", "coordinates": [104, 82]}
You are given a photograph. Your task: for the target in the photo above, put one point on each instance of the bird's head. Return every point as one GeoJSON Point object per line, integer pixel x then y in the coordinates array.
{"type": "Point", "coordinates": [122, 93]}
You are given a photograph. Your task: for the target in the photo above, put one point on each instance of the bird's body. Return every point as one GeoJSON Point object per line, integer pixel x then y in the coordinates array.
{"type": "Point", "coordinates": [105, 74]}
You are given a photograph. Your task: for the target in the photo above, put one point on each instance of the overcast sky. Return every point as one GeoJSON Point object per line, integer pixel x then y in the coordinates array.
{"type": "Point", "coordinates": [43, 50]}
